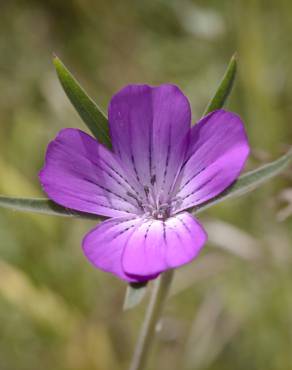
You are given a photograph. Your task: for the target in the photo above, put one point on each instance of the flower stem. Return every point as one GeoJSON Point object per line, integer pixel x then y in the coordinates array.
{"type": "Point", "coordinates": [158, 295]}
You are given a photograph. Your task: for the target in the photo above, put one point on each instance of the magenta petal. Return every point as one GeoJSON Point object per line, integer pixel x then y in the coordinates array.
{"type": "Point", "coordinates": [217, 154]}
{"type": "Point", "coordinates": [156, 245]}
{"type": "Point", "coordinates": [148, 126]}
{"type": "Point", "coordinates": [83, 175]}
{"type": "Point", "coordinates": [104, 246]}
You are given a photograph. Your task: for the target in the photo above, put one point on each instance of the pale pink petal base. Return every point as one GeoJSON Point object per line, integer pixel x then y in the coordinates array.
{"type": "Point", "coordinates": [156, 245]}
{"type": "Point", "coordinates": [137, 249]}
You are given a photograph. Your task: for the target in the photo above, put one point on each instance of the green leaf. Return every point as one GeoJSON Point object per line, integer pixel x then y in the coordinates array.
{"type": "Point", "coordinates": [90, 113]}
{"type": "Point", "coordinates": [43, 206]}
{"type": "Point", "coordinates": [134, 294]}
{"type": "Point", "coordinates": [224, 88]}
{"type": "Point", "coordinates": [249, 181]}
{"type": "Point", "coordinates": [246, 183]}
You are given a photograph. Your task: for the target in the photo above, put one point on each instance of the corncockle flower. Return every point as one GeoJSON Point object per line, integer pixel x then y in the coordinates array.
{"type": "Point", "coordinates": [160, 166]}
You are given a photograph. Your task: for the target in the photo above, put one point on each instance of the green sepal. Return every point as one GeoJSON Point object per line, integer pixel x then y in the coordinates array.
{"type": "Point", "coordinates": [134, 294]}
{"type": "Point", "coordinates": [87, 109]}
{"type": "Point", "coordinates": [223, 90]}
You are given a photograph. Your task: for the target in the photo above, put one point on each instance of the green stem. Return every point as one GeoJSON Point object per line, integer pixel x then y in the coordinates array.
{"type": "Point", "coordinates": [158, 295]}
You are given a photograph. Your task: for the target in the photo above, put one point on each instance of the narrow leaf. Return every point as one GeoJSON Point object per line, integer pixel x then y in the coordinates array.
{"type": "Point", "coordinates": [41, 205]}
{"type": "Point", "coordinates": [246, 183]}
{"type": "Point", "coordinates": [249, 181]}
{"type": "Point", "coordinates": [134, 295]}
{"type": "Point", "coordinates": [90, 113]}
{"type": "Point", "coordinates": [224, 88]}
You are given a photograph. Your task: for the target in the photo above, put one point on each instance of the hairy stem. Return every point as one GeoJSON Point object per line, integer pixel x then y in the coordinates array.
{"type": "Point", "coordinates": [155, 306]}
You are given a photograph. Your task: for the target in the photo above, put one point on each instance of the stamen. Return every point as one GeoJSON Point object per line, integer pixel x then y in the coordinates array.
{"type": "Point", "coordinates": [155, 205]}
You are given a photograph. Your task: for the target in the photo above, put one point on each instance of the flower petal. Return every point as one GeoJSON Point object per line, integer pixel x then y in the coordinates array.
{"type": "Point", "coordinates": [83, 175]}
{"type": "Point", "coordinates": [157, 245]}
{"type": "Point", "coordinates": [104, 246]}
{"type": "Point", "coordinates": [148, 127]}
{"type": "Point", "coordinates": [217, 154]}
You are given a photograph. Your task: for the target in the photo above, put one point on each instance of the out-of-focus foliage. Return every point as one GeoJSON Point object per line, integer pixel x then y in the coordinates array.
{"type": "Point", "coordinates": [229, 309]}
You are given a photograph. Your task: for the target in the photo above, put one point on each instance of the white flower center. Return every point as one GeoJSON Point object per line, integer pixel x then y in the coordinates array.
{"type": "Point", "coordinates": [154, 203]}
{"type": "Point", "coordinates": [158, 212]}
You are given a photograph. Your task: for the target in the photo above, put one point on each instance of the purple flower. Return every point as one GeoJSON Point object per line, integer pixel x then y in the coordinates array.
{"type": "Point", "coordinates": [159, 167]}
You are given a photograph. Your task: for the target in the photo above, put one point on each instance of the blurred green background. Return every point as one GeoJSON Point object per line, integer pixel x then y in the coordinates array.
{"type": "Point", "coordinates": [232, 307]}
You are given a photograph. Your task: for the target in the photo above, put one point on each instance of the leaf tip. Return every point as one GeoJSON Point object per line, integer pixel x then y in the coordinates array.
{"type": "Point", "coordinates": [57, 62]}
{"type": "Point", "coordinates": [235, 56]}
{"type": "Point", "coordinates": [54, 57]}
